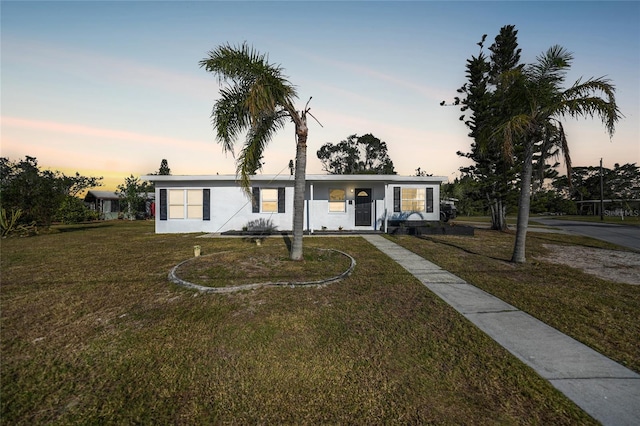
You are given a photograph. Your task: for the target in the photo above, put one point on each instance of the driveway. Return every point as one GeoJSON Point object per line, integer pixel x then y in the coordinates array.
{"type": "Point", "coordinates": [626, 236]}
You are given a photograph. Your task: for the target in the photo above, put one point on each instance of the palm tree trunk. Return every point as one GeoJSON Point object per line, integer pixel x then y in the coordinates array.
{"type": "Point", "coordinates": [523, 206]}
{"type": "Point", "coordinates": [498, 220]}
{"type": "Point", "coordinates": [298, 192]}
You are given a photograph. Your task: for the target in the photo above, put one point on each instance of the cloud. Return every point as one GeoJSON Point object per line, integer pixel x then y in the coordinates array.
{"type": "Point", "coordinates": [96, 132]}
{"type": "Point", "coordinates": [101, 67]}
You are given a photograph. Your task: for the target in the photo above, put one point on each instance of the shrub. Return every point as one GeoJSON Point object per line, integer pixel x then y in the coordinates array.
{"type": "Point", "coordinates": [10, 224]}
{"type": "Point", "coordinates": [73, 210]}
{"type": "Point", "coordinates": [261, 225]}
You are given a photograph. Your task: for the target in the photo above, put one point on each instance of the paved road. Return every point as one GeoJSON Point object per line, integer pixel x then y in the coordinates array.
{"type": "Point", "coordinates": [626, 236]}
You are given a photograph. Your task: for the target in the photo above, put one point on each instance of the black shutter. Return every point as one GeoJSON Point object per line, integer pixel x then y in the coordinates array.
{"type": "Point", "coordinates": [396, 198]}
{"type": "Point", "coordinates": [163, 204]}
{"type": "Point", "coordinates": [280, 200]}
{"type": "Point", "coordinates": [206, 204]}
{"type": "Point", "coordinates": [255, 200]}
{"type": "Point", "coordinates": [429, 200]}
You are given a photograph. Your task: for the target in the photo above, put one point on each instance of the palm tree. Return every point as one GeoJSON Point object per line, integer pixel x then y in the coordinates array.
{"type": "Point", "coordinates": [258, 99]}
{"type": "Point", "coordinates": [543, 102]}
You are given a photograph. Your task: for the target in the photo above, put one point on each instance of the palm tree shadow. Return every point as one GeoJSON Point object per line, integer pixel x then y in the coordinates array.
{"type": "Point", "coordinates": [287, 241]}
{"type": "Point", "coordinates": [447, 243]}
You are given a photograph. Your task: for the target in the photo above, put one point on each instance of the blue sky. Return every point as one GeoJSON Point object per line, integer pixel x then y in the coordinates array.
{"type": "Point", "coordinates": [112, 88]}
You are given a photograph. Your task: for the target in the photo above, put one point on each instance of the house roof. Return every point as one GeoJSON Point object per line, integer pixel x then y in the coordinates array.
{"type": "Point", "coordinates": [111, 195]}
{"type": "Point", "coordinates": [290, 178]}
{"type": "Point", "coordinates": [101, 195]}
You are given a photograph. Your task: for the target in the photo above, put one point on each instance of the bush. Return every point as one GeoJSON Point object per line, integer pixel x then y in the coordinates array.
{"type": "Point", "coordinates": [73, 210]}
{"type": "Point", "coordinates": [260, 225]}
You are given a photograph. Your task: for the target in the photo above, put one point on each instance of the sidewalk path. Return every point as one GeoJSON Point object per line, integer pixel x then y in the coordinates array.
{"type": "Point", "coordinates": [606, 390]}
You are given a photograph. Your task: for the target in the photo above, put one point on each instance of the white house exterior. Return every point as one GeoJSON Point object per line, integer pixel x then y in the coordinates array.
{"type": "Point", "coordinates": [217, 204]}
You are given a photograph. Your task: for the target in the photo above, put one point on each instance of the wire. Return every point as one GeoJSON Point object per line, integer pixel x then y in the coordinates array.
{"type": "Point", "coordinates": [245, 204]}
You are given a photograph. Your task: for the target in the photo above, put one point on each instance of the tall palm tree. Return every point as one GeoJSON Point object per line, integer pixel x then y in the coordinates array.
{"type": "Point", "coordinates": [258, 99]}
{"type": "Point", "coordinates": [543, 102]}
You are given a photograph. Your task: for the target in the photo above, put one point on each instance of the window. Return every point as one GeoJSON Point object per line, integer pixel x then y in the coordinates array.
{"type": "Point", "coordinates": [194, 204]}
{"type": "Point", "coordinates": [185, 204]}
{"type": "Point", "coordinates": [337, 198]}
{"type": "Point", "coordinates": [413, 200]}
{"type": "Point", "coordinates": [176, 204]}
{"type": "Point", "coordinates": [269, 201]}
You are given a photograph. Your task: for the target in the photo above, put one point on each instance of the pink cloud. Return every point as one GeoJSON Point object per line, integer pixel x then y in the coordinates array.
{"type": "Point", "coordinates": [96, 132]}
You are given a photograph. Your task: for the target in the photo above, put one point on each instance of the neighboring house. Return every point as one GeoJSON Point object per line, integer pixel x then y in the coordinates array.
{"type": "Point", "coordinates": [332, 202]}
{"type": "Point", "coordinates": [107, 203]}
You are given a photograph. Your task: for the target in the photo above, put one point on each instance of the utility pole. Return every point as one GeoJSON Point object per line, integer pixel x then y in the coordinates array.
{"type": "Point", "coordinates": [601, 193]}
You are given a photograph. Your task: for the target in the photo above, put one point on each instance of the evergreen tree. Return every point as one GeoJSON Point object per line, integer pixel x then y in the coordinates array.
{"type": "Point", "coordinates": [164, 168]}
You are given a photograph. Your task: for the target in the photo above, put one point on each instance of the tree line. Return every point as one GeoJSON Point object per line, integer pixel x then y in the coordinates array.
{"type": "Point", "coordinates": [622, 182]}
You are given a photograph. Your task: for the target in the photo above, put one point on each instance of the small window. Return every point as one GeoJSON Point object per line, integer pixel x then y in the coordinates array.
{"type": "Point", "coordinates": [194, 204]}
{"type": "Point", "coordinates": [269, 200]}
{"type": "Point", "coordinates": [176, 204]}
{"type": "Point", "coordinates": [413, 199]}
{"type": "Point", "coordinates": [337, 198]}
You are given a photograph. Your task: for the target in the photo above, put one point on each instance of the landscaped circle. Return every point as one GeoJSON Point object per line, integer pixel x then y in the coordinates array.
{"type": "Point", "coordinates": [257, 266]}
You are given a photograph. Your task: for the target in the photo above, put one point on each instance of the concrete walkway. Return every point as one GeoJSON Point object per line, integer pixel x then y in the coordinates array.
{"type": "Point", "coordinates": [606, 390]}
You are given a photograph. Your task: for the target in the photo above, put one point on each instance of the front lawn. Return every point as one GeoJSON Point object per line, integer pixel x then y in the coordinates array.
{"type": "Point", "coordinates": [92, 332]}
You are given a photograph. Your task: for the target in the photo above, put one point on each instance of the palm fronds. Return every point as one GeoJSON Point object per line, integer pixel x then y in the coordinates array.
{"type": "Point", "coordinates": [256, 97]}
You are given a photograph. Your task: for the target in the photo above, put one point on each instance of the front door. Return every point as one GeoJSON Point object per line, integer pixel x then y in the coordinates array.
{"type": "Point", "coordinates": [363, 206]}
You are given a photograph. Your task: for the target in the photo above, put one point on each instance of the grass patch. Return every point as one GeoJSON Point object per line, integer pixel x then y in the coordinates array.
{"type": "Point", "coordinates": [268, 262]}
{"type": "Point", "coordinates": [92, 332]}
{"type": "Point", "coordinates": [600, 313]}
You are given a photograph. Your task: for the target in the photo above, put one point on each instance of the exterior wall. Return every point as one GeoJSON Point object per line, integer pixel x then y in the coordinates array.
{"type": "Point", "coordinates": [106, 212]}
{"type": "Point", "coordinates": [231, 209]}
{"type": "Point", "coordinates": [414, 216]}
{"type": "Point", "coordinates": [320, 217]}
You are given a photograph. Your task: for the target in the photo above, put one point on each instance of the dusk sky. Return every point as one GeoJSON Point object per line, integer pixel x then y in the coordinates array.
{"type": "Point", "coordinates": [112, 88]}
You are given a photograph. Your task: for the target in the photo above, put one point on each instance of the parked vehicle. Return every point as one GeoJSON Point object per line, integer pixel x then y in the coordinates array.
{"type": "Point", "coordinates": [448, 209]}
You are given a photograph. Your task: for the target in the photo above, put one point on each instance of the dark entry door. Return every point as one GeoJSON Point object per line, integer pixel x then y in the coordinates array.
{"type": "Point", "coordinates": [363, 206]}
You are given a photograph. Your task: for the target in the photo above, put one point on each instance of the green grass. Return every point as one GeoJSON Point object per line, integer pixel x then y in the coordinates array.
{"type": "Point", "coordinates": [92, 332]}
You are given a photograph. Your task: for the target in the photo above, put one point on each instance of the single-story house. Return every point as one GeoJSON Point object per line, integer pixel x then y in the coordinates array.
{"type": "Point", "coordinates": [107, 203]}
{"type": "Point", "coordinates": [217, 203]}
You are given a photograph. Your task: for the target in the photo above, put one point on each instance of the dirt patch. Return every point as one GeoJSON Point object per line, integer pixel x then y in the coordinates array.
{"type": "Point", "coordinates": [612, 265]}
